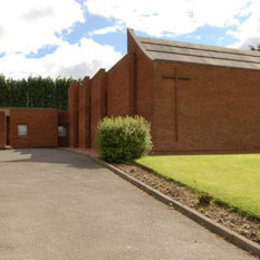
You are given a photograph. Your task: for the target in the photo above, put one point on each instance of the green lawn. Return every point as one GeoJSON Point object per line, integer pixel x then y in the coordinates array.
{"type": "Point", "coordinates": [233, 179]}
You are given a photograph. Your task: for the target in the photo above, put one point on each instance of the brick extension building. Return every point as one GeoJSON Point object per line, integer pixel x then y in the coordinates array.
{"type": "Point", "coordinates": [33, 127]}
{"type": "Point", "coordinates": [197, 97]}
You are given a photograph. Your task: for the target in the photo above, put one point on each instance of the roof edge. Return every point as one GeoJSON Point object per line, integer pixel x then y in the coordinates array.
{"type": "Point", "coordinates": [131, 34]}
{"type": "Point", "coordinates": [198, 46]}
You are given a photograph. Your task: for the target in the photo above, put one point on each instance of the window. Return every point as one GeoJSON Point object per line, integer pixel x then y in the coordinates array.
{"type": "Point", "coordinates": [22, 129]}
{"type": "Point", "coordinates": [62, 131]}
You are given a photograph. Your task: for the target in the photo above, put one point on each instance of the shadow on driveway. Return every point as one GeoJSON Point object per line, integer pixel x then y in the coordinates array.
{"type": "Point", "coordinates": [48, 155]}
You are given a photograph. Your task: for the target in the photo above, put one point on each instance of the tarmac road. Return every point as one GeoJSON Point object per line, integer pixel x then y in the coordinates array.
{"type": "Point", "coordinates": [55, 204]}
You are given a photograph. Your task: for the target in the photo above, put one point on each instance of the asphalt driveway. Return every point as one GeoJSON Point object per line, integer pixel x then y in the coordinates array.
{"type": "Point", "coordinates": [55, 204]}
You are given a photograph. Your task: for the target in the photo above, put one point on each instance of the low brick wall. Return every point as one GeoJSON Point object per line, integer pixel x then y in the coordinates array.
{"type": "Point", "coordinates": [41, 127]}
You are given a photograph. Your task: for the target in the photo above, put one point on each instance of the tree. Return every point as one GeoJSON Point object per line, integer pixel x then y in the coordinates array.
{"type": "Point", "coordinates": [253, 48]}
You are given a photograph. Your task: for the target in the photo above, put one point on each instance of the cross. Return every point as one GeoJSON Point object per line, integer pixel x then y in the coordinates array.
{"type": "Point", "coordinates": [176, 78]}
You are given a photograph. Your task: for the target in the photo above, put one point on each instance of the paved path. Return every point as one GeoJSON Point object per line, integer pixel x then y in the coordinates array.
{"type": "Point", "coordinates": [56, 204]}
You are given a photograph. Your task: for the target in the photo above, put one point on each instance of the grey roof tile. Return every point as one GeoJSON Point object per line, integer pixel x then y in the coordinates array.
{"type": "Point", "coordinates": [158, 49]}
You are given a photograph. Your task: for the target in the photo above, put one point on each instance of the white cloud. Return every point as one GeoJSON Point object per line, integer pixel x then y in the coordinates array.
{"type": "Point", "coordinates": [27, 25]}
{"type": "Point", "coordinates": [248, 32]}
{"type": "Point", "coordinates": [106, 30]}
{"type": "Point", "coordinates": [171, 17]}
{"type": "Point", "coordinates": [76, 60]}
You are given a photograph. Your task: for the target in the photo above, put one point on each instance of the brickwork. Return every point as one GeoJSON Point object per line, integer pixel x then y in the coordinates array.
{"type": "Point", "coordinates": [2, 129]}
{"type": "Point", "coordinates": [211, 112]}
{"type": "Point", "coordinates": [41, 127]}
{"type": "Point", "coordinates": [191, 107]}
{"type": "Point", "coordinates": [98, 102]}
{"type": "Point", "coordinates": [118, 89]}
{"type": "Point", "coordinates": [143, 80]}
{"type": "Point", "coordinates": [84, 113]}
{"type": "Point", "coordinates": [73, 114]}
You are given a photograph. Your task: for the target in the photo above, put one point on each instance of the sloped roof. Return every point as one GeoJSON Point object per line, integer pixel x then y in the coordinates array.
{"type": "Point", "coordinates": [159, 49]}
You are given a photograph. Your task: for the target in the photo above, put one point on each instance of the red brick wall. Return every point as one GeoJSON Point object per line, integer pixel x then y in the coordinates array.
{"type": "Point", "coordinates": [73, 114]}
{"type": "Point", "coordinates": [142, 78]}
{"type": "Point", "coordinates": [2, 130]}
{"type": "Point", "coordinates": [98, 102]}
{"type": "Point", "coordinates": [6, 110]}
{"type": "Point", "coordinates": [217, 109]}
{"type": "Point", "coordinates": [118, 88]}
{"type": "Point", "coordinates": [63, 120]}
{"type": "Point", "coordinates": [84, 113]}
{"type": "Point", "coordinates": [41, 127]}
{"type": "Point", "coordinates": [144, 92]}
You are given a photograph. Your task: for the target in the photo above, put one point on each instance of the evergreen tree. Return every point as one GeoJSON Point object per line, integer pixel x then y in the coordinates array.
{"type": "Point", "coordinates": [34, 92]}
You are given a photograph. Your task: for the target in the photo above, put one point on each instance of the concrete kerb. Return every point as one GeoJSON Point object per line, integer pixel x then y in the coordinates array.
{"type": "Point", "coordinates": [209, 224]}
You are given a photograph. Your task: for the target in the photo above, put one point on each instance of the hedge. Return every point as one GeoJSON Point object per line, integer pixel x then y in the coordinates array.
{"type": "Point", "coordinates": [34, 92]}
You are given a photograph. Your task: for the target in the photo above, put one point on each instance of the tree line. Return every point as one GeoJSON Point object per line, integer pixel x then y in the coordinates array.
{"type": "Point", "coordinates": [254, 48]}
{"type": "Point", "coordinates": [34, 92]}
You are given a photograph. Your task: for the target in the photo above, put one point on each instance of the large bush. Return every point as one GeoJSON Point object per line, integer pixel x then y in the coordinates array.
{"type": "Point", "coordinates": [123, 139]}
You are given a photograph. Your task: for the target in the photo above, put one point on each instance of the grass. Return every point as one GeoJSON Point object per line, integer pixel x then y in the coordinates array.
{"type": "Point", "coordinates": [232, 179]}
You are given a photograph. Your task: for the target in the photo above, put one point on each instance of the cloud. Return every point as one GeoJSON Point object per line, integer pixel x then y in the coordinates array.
{"type": "Point", "coordinates": [76, 60]}
{"type": "Point", "coordinates": [248, 32]}
{"type": "Point", "coordinates": [106, 30]}
{"type": "Point", "coordinates": [171, 17]}
{"type": "Point", "coordinates": [35, 14]}
{"type": "Point", "coordinates": [27, 25]}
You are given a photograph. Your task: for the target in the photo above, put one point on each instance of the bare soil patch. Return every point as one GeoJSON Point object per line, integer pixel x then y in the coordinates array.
{"type": "Point", "coordinates": [245, 225]}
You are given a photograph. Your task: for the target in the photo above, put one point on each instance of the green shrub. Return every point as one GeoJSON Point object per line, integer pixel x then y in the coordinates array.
{"type": "Point", "coordinates": [123, 139]}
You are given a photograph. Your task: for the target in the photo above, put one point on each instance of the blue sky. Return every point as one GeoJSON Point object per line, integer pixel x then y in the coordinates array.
{"type": "Point", "coordinates": [75, 38]}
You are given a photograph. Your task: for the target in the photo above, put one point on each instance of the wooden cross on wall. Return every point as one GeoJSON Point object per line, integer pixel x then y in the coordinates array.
{"type": "Point", "coordinates": [176, 78]}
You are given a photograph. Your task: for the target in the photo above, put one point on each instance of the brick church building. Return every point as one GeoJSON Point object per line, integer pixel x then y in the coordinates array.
{"type": "Point", "coordinates": [198, 98]}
